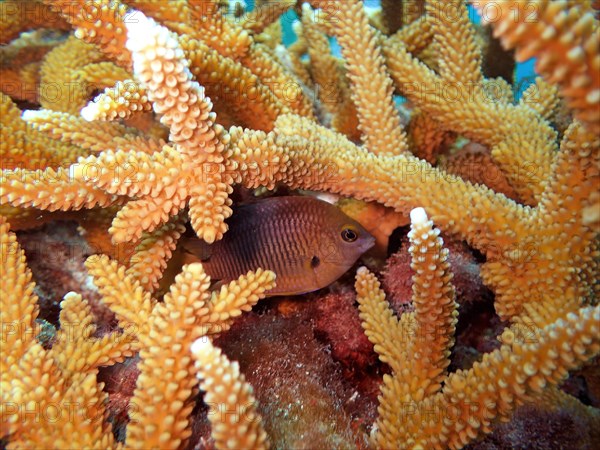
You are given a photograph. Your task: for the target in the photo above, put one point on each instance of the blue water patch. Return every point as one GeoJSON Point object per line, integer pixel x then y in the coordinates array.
{"type": "Point", "coordinates": [474, 14]}
{"type": "Point", "coordinates": [524, 75]}
{"type": "Point", "coordinates": [287, 21]}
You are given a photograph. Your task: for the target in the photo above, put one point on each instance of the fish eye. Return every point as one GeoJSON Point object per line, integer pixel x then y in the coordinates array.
{"type": "Point", "coordinates": [349, 235]}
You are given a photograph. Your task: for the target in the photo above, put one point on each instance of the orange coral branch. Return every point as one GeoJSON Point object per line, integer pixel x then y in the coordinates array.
{"type": "Point", "coordinates": [227, 391]}
{"type": "Point", "coordinates": [565, 42]}
{"type": "Point", "coordinates": [101, 22]}
{"type": "Point", "coordinates": [378, 118]}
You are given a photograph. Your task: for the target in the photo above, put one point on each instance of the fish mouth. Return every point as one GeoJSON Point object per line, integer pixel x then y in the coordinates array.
{"type": "Point", "coordinates": [369, 243]}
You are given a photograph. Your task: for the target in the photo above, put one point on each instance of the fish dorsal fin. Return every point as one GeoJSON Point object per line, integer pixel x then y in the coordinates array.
{"type": "Point", "coordinates": [198, 248]}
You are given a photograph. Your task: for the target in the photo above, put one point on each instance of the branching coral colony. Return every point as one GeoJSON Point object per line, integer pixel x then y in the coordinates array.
{"type": "Point", "coordinates": [274, 121]}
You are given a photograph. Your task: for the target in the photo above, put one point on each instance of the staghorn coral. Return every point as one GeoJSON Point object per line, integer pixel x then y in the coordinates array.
{"type": "Point", "coordinates": [378, 122]}
{"type": "Point", "coordinates": [187, 313]}
{"type": "Point", "coordinates": [22, 146]}
{"type": "Point", "coordinates": [397, 275]}
{"type": "Point", "coordinates": [262, 16]}
{"type": "Point", "coordinates": [563, 38]}
{"type": "Point", "coordinates": [106, 31]}
{"type": "Point", "coordinates": [51, 397]}
{"type": "Point", "coordinates": [540, 245]}
{"type": "Point", "coordinates": [62, 87]}
{"type": "Point", "coordinates": [187, 112]}
{"type": "Point", "coordinates": [226, 391]}
{"type": "Point", "coordinates": [330, 82]}
{"type": "Point", "coordinates": [57, 388]}
{"type": "Point", "coordinates": [415, 410]}
{"type": "Point", "coordinates": [483, 114]}
{"type": "Point", "coordinates": [20, 61]}
{"type": "Point", "coordinates": [17, 17]}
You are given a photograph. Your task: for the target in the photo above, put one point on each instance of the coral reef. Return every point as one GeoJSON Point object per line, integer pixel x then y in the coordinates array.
{"type": "Point", "coordinates": [140, 120]}
{"type": "Point", "coordinates": [541, 428]}
{"type": "Point", "coordinates": [397, 275]}
{"type": "Point", "coordinates": [299, 394]}
{"type": "Point", "coordinates": [421, 405]}
{"type": "Point", "coordinates": [62, 380]}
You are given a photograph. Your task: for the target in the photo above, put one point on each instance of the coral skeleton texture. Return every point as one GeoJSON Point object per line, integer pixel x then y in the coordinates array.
{"type": "Point", "coordinates": [144, 120]}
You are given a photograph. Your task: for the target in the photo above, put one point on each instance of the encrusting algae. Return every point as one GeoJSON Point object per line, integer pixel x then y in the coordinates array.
{"type": "Point", "coordinates": [161, 110]}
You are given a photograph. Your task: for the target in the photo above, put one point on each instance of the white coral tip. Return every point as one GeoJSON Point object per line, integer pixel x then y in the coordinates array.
{"type": "Point", "coordinates": [90, 112]}
{"type": "Point", "coordinates": [418, 215]}
{"type": "Point", "coordinates": [201, 347]}
{"type": "Point", "coordinates": [32, 114]}
{"type": "Point", "coordinates": [139, 27]}
{"type": "Point", "coordinates": [362, 270]}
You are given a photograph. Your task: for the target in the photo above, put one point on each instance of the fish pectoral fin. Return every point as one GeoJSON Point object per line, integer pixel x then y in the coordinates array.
{"type": "Point", "coordinates": [198, 248]}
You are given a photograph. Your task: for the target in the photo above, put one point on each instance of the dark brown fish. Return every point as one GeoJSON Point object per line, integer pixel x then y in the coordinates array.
{"type": "Point", "coordinates": [308, 243]}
